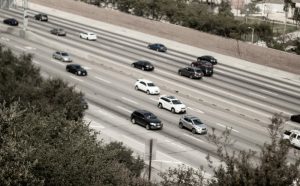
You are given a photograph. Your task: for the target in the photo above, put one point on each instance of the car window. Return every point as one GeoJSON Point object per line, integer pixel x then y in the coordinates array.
{"type": "Point", "coordinates": [176, 102]}
{"type": "Point", "coordinates": [64, 54]}
{"type": "Point", "coordinates": [151, 85]}
{"type": "Point", "coordinates": [165, 99]}
{"type": "Point", "coordinates": [197, 122]}
{"type": "Point", "coordinates": [198, 71]}
{"type": "Point", "coordinates": [187, 119]}
{"type": "Point", "coordinates": [293, 136]}
{"type": "Point", "coordinates": [298, 137]}
{"type": "Point", "coordinates": [149, 116]}
{"type": "Point", "coordinates": [143, 83]}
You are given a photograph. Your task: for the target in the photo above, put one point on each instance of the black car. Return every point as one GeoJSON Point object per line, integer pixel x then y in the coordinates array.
{"type": "Point", "coordinates": [295, 118]}
{"type": "Point", "coordinates": [191, 72]}
{"type": "Point", "coordinates": [144, 65]}
{"type": "Point", "coordinates": [41, 17]}
{"type": "Point", "coordinates": [58, 31]}
{"type": "Point", "coordinates": [146, 119]}
{"type": "Point", "coordinates": [206, 67]}
{"type": "Point", "coordinates": [76, 69]}
{"type": "Point", "coordinates": [158, 47]}
{"type": "Point", "coordinates": [11, 21]}
{"type": "Point", "coordinates": [207, 58]}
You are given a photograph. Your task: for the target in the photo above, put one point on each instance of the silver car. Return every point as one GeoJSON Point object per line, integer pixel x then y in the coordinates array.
{"type": "Point", "coordinates": [193, 123]}
{"type": "Point", "coordinates": [62, 56]}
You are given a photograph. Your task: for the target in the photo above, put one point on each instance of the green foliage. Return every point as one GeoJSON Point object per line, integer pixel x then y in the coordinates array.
{"type": "Point", "coordinates": [43, 139]}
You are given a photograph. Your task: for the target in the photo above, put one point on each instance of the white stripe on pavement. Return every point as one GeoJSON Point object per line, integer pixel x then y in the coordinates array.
{"type": "Point", "coordinates": [129, 100]}
{"type": "Point", "coordinates": [101, 79]}
{"type": "Point", "coordinates": [227, 127]}
{"type": "Point", "coordinates": [125, 109]}
{"type": "Point", "coordinates": [187, 135]}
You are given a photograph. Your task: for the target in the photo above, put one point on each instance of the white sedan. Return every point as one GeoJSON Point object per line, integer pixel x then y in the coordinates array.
{"type": "Point", "coordinates": [88, 36]}
{"type": "Point", "coordinates": [146, 86]}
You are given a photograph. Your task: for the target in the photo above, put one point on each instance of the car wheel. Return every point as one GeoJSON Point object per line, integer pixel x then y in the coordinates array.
{"type": "Point", "coordinates": [78, 73]}
{"type": "Point", "coordinates": [172, 110]}
{"type": "Point", "coordinates": [194, 131]}
{"type": "Point", "coordinates": [148, 127]}
{"type": "Point", "coordinates": [143, 68]}
{"type": "Point", "coordinates": [136, 88]}
{"type": "Point", "coordinates": [192, 65]}
{"type": "Point", "coordinates": [180, 125]}
{"type": "Point", "coordinates": [132, 65]}
{"type": "Point", "coordinates": [180, 73]}
{"type": "Point", "coordinates": [160, 105]}
{"type": "Point", "coordinates": [148, 92]}
{"type": "Point", "coordinates": [133, 121]}
{"type": "Point", "coordinates": [68, 70]}
{"type": "Point", "coordinates": [191, 76]}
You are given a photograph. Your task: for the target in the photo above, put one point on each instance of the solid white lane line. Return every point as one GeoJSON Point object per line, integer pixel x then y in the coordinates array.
{"type": "Point", "coordinates": [125, 109]}
{"type": "Point", "coordinates": [5, 39]}
{"type": "Point", "coordinates": [101, 79]}
{"type": "Point", "coordinates": [76, 78]}
{"type": "Point", "coordinates": [255, 94]}
{"type": "Point", "coordinates": [29, 48]}
{"type": "Point", "coordinates": [20, 48]}
{"type": "Point", "coordinates": [197, 110]}
{"type": "Point", "coordinates": [227, 127]}
{"type": "Point", "coordinates": [36, 62]}
{"type": "Point", "coordinates": [187, 135]}
{"type": "Point", "coordinates": [105, 113]}
{"type": "Point", "coordinates": [269, 92]}
{"type": "Point", "coordinates": [87, 68]}
{"type": "Point", "coordinates": [129, 100]}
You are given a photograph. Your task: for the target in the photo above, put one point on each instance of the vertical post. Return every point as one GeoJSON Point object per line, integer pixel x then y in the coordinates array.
{"type": "Point", "coordinates": [150, 159]}
{"type": "Point", "coordinates": [252, 36]}
{"type": "Point", "coordinates": [25, 16]}
{"type": "Point", "coordinates": [284, 28]}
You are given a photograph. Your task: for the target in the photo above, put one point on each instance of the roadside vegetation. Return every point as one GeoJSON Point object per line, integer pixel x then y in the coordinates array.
{"type": "Point", "coordinates": [206, 17]}
{"type": "Point", "coordinates": [44, 141]}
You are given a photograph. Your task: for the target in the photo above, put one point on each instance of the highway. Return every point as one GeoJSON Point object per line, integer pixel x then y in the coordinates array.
{"type": "Point", "coordinates": [235, 98]}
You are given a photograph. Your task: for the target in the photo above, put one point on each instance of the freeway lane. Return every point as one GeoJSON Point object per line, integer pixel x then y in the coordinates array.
{"type": "Point", "coordinates": [118, 79]}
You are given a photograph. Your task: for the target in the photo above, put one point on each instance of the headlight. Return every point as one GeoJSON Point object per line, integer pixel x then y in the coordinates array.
{"type": "Point", "coordinates": [153, 124]}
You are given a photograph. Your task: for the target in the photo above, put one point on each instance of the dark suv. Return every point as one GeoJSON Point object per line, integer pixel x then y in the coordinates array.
{"type": "Point", "coordinates": [207, 58]}
{"type": "Point", "coordinates": [206, 67]}
{"type": "Point", "coordinates": [191, 72]}
{"type": "Point", "coordinates": [76, 69]}
{"type": "Point", "coordinates": [41, 17]}
{"type": "Point", "coordinates": [295, 118]}
{"type": "Point", "coordinates": [146, 119]}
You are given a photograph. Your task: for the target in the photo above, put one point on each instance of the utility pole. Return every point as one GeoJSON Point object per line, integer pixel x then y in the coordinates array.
{"type": "Point", "coordinates": [150, 159]}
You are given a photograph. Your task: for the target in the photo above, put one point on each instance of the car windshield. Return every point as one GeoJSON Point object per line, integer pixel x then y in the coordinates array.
{"type": "Point", "coordinates": [176, 102]}
{"type": "Point", "coordinates": [77, 66]}
{"type": "Point", "coordinates": [197, 122]}
{"type": "Point", "coordinates": [64, 54]}
{"type": "Point", "coordinates": [150, 116]}
{"type": "Point", "coordinates": [150, 84]}
{"type": "Point", "coordinates": [198, 71]}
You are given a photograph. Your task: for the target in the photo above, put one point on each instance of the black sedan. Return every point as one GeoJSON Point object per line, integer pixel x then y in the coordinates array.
{"type": "Point", "coordinates": [58, 32]}
{"type": "Point", "coordinates": [76, 69]}
{"type": "Point", "coordinates": [144, 65]}
{"type": "Point", "coordinates": [295, 118]}
{"type": "Point", "coordinates": [207, 58]}
{"type": "Point", "coordinates": [11, 21]}
{"type": "Point", "coordinates": [146, 119]}
{"type": "Point", "coordinates": [41, 17]}
{"type": "Point", "coordinates": [158, 47]}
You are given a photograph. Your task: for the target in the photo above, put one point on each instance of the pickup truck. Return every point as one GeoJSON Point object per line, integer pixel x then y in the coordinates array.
{"type": "Point", "coordinates": [293, 136]}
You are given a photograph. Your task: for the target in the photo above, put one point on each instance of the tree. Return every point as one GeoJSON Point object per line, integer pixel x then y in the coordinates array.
{"type": "Point", "coordinates": [270, 168]}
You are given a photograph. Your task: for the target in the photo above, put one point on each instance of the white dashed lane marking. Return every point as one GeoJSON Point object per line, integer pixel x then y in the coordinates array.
{"type": "Point", "coordinates": [129, 100]}
{"type": "Point", "coordinates": [193, 138]}
{"type": "Point", "coordinates": [197, 110]}
{"type": "Point", "coordinates": [76, 78]}
{"type": "Point", "coordinates": [101, 79]}
{"type": "Point", "coordinates": [125, 109]}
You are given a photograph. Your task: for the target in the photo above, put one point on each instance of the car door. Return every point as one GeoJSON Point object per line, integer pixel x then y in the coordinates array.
{"type": "Point", "coordinates": [139, 118]}
{"type": "Point", "coordinates": [184, 72]}
{"type": "Point", "coordinates": [143, 86]}
{"type": "Point", "coordinates": [168, 104]}
{"type": "Point", "coordinates": [188, 123]}
{"type": "Point", "coordinates": [58, 55]}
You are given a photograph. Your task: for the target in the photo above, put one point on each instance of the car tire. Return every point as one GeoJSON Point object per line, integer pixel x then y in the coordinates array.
{"type": "Point", "coordinates": [191, 76]}
{"type": "Point", "coordinates": [143, 68]}
{"type": "Point", "coordinates": [136, 88]}
{"type": "Point", "coordinates": [148, 127]}
{"type": "Point", "coordinates": [78, 73]}
{"type": "Point", "coordinates": [68, 70]}
{"type": "Point", "coordinates": [148, 92]}
{"type": "Point", "coordinates": [180, 73]}
{"type": "Point", "coordinates": [194, 131]}
{"type": "Point", "coordinates": [172, 110]}
{"type": "Point", "coordinates": [160, 105]}
{"type": "Point", "coordinates": [180, 125]}
{"type": "Point", "coordinates": [133, 121]}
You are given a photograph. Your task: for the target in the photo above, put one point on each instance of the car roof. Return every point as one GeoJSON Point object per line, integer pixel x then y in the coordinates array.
{"type": "Point", "coordinates": [195, 68]}
{"type": "Point", "coordinates": [143, 61]}
{"type": "Point", "coordinates": [295, 131]}
{"type": "Point", "coordinates": [191, 117]}
{"type": "Point", "coordinates": [145, 80]}
{"type": "Point", "coordinates": [169, 97]}
{"type": "Point", "coordinates": [73, 65]}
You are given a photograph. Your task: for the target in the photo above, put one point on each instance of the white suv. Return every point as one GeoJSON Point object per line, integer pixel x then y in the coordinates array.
{"type": "Point", "coordinates": [171, 103]}
{"type": "Point", "coordinates": [88, 36]}
{"type": "Point", "coordinates": [293, 136]}
{"type": "Point", "coordinates": [146, 86]}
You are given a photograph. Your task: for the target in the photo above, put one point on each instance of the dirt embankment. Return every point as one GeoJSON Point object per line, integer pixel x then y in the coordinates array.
{"type": "Point", "coordinates": [265, 56]}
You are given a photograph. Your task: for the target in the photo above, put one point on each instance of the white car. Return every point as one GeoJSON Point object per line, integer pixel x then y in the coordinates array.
{"type": "Point", "coordinates": [146, 86]}
{"type": "Point", "coordinates": [88, 36]}
{"type": "Point", "coordinates": [171, 103]}
{"type": "Point", "coordinates": [293, 136]}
